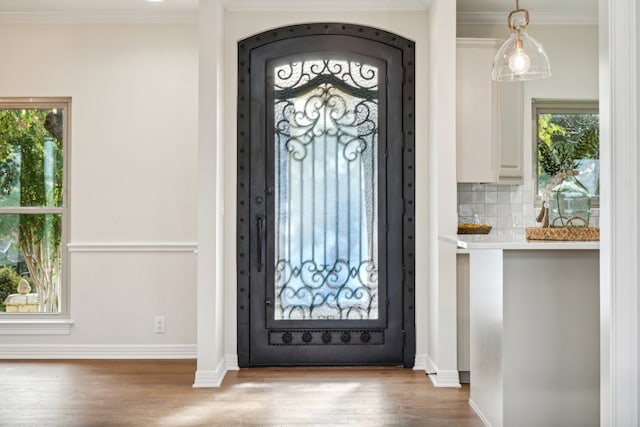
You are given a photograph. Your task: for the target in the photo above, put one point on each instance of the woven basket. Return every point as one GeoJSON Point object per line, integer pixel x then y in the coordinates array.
{"type": "Point", "coordinates": [483, 229]}
{"type": "Point", "coordinates": [563, 233]}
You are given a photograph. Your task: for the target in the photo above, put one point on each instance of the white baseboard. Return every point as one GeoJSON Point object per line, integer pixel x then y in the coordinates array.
{"type": "Point", "coordinates": [52, 351]}
{"type": "Point", "coordinates": [231, 361]}
{"type": "Point", "coordinates": [420, 363]}
{"type": "Point", "coordinates": [211, 379]}
{"type": "Point", "coordinates": [441, 378]}
{"type": "Point", "coordinates": [446, 379]}
{"type": "Point", "coordinates": [479, 413]}
{"type": "Point", "coordinates": [431, 366]}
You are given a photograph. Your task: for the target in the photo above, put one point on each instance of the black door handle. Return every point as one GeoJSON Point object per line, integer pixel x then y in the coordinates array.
{"type": "Point", "coordinates": [259, 231]}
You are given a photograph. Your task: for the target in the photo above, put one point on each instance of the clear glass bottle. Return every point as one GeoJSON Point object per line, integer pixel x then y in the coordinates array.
{"type": "Point", "coordinates": [569, 204]}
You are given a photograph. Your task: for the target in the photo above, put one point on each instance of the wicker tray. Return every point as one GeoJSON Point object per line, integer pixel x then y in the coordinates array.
{"type": "Point", "coordinates": [482, 229]}
{"type": "Point", "coordinates": [563, 233]}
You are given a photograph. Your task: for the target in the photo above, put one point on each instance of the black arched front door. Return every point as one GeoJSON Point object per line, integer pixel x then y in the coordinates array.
{"type": "Point", "coordinates": [325, 197]}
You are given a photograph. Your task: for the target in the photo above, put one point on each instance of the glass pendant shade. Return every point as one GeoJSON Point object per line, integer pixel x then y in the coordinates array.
{"type": "Point", "coordinates": [520, 58]}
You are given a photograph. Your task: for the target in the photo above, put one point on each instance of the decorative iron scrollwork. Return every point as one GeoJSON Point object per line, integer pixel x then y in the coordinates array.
{"type": "Point", "coordinates": [287, 338]}
{"type": "Point", "coordinates": [343, 292]}
{"type": "Point", "coordinates": [326, 127]}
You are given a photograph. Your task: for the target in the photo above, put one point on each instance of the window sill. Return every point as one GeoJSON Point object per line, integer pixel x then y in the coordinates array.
{"type": "Point", "coordinates": [36, 327]}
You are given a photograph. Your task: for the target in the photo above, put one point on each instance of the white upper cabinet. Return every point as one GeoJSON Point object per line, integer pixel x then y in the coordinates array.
{"type": "Point", "coordinates": [511, 117]}
{"type": "Point", "coordinates": [489, 117]}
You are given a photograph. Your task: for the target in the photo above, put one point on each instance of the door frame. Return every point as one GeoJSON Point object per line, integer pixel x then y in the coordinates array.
{"type": "Point", "coordinates": [407, 48]}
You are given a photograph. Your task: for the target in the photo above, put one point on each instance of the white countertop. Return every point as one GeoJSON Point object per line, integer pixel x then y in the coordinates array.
{"type": "Point", "coordinates": [512, 240]}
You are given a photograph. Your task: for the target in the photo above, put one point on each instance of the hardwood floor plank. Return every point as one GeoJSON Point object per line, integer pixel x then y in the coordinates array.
{"type": "Point", "coordinates": [106, 393]}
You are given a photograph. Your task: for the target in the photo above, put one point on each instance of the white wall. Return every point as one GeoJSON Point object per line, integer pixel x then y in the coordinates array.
{"type": "Point", "coordinates": [441, 299]}
{"type": "Point", "coordinates": [134, 168]}
{"type": "Point", "coordinates": [134, 171]}
{"type": "Point", "coordinates": [133, 176]}
{"type": "Point", "coordinates": [619, 273]}
{"type": "Point", "coordinates": [211, 234]}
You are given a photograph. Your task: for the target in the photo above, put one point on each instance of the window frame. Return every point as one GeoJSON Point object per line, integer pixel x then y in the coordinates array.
{"type": "Point", "coordinates": [45, 323]}
{"type": "Point", "coordinates": [566, 106]}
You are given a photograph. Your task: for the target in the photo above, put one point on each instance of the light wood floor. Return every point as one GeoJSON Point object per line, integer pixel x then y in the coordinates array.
{"type": "Point", "coordinates": [92, 393]}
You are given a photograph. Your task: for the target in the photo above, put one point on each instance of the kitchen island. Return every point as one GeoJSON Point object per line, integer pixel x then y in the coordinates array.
{"type": "Point", "coordinates": [534, 330]}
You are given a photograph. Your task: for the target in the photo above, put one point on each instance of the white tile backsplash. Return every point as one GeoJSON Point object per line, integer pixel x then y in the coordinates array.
{"type": "Point", "coordinates": [465, 209]}
{"type": "Point", "coordinates": [490, 197]}
{"type": "Point", "coordinates": [478, 209]}
{"type": "Point", "coordinates": [504, 210]}
{"type": "Point", "coordinates": [504, 197]}
{"type": "Point", "coordinates": [477, 196]}
{"type": "Point", "coordinates": [515, 197]}
{"type": "Point", "coordinates": [504, 222]}
{"type": "Point", "coordinates": [491, 209]}
{"type": "Point", "coordinates": [504, 207]}
{"type": "Point", "coordinates": [465, 196]}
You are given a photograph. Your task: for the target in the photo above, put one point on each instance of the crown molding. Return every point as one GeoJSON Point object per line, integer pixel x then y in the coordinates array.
{"type": "Point", "coordinates": [191, 16]}
{"type": "Point", "coordinates": [538, 18]}
{"type": "Point", "coordinates": [99, 17]}
{"type": "Point", "coordinates": [324, 5]}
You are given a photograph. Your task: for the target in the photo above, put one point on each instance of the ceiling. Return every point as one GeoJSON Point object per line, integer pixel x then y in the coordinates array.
{"type": "Point", "coordinates": [469, 11]}
{"type": "Point", "coordinates": [12, 6]}
{"type": "Point", "coordinates": [541, 11]}
{"type": "Point", "coordinates": [98, 11]}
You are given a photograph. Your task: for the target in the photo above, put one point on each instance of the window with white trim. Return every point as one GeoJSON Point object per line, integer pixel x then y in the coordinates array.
{"type": "Point", "coordinates": [567, 138]}
{"type": "Point", "coordinates": [34, 144]}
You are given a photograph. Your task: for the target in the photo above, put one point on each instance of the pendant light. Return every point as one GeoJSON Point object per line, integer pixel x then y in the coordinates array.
{"type": "Point", "coordinates": [520, 57]}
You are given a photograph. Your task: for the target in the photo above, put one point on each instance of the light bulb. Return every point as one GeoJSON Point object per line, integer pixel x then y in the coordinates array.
{"type": "Point", "coordinates": [519, 62]}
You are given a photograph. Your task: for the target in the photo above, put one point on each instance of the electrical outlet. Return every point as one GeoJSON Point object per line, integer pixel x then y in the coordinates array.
{"type": "Point", "coordinates": [159, 324]}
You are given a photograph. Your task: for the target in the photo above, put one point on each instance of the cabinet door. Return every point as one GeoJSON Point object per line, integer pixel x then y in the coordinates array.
{"type": "Point", "coordinates": [511, 137]}
{"type": "Point", "coordinates": [477, 129]}
{"type": "Point", "coordinates": [489, 118]}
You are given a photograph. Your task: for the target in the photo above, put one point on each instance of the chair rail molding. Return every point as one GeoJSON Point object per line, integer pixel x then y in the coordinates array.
{"type": "Point", "coordinates": [190, 247]}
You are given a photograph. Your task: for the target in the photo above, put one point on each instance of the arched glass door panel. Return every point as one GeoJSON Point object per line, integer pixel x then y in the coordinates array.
{"type": "Point", "coordinates": [326, 189]}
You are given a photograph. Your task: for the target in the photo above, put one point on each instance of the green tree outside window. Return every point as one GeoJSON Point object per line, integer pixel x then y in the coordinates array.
{"type": "Point", "coordinates": [568, 139]}
{"type": "Point", "coordinates": [31, 198]}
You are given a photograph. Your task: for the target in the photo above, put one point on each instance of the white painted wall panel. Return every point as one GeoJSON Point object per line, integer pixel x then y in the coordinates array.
{"type": "Point", "coordinates": [115, 296]}
{"type": "Point", "coordinates": [551, 338]}
{"type": "Point", "coordinates": [486, 316]}
{"type": "Point", "coordinates": [133, 171]}
{"type": "Point", "coordinates": [134, 121]}
{"type": "Point", "coordinates": [441, 210]}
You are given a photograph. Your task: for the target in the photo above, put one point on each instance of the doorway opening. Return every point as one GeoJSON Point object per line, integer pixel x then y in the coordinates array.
{"type": "Point", "coordinates": [325, 227]}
